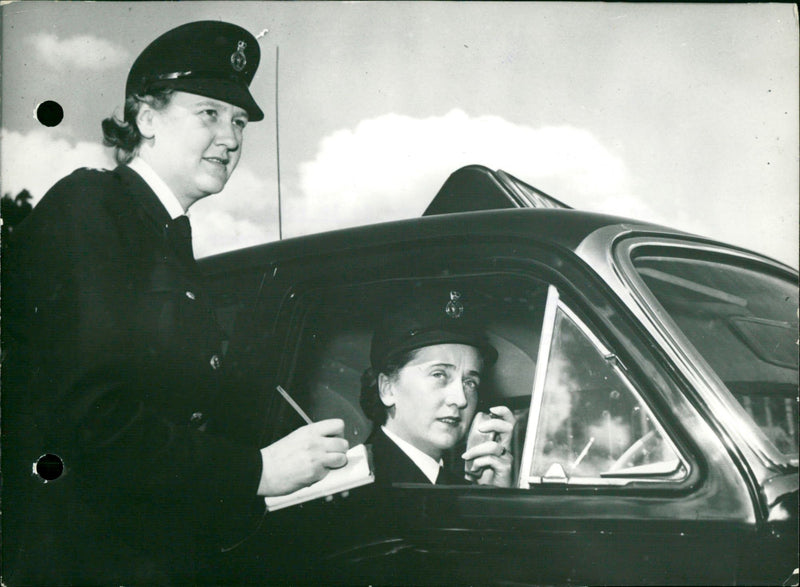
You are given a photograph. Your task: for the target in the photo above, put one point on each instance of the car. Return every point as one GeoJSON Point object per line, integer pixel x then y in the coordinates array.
{"type": "Point", "coordinates": [653, 374]}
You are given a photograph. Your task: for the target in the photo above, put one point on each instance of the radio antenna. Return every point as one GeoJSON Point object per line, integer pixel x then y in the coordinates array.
{"type": "Point", "coordinates": [278, 146]}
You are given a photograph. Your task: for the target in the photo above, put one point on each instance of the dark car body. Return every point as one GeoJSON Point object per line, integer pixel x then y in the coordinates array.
{"type": "Point", "coordinates": [653, 374]}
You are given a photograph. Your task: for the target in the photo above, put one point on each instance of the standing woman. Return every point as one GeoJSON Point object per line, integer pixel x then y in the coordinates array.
{"type": "Point", "coordinates": [112, 356]}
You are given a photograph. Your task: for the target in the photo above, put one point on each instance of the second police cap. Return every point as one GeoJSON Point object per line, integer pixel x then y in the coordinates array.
{"type": "Point", "coordinates": [209, 58]}
{"type": "Point", "coordinates": [435, 317]}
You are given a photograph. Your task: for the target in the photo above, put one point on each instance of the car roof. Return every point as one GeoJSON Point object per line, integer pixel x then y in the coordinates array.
{"type": "Point", "coordinates": [563, 228]}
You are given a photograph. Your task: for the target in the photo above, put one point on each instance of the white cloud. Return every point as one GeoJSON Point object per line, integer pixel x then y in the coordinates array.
{"type": "Point", "coordinates": [36, 160]}
{"type": "Point", "coordinates": [390, 167]}
{"type": "Point", "coordinates": [78, 52]}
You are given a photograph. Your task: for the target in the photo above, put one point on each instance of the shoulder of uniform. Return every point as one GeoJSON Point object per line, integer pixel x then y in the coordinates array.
{"type": "Point", "coordinates": [85, 178]}
{"type": "Point", "coordinates": [82, 189]}
{"type": "Point", "coordinates": [89, 173]}
{"type": "Point", "coordinates": [78, 201]}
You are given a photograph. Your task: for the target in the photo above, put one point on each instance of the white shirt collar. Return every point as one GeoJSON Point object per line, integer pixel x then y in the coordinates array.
{"type": "Point", "coordinates": [161, 189]}
{"type": "Point", "coordinates": [427, 464]}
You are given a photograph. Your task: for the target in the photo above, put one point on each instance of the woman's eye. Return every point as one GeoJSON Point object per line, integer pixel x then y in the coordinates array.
{"type": "Point", "coordinates": [439, 375]}
{"type": "Point", "coordinates": [471, 384]}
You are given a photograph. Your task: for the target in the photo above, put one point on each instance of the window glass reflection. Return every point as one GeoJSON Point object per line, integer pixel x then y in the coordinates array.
{"type": "Point", "coordinates": [745, 324]}
{"type": "Point", "coordinates": [591, 424]}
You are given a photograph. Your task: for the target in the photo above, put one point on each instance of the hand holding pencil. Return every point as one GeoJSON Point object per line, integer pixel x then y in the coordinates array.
{"type": "Point", "coordinates": [302, 457]}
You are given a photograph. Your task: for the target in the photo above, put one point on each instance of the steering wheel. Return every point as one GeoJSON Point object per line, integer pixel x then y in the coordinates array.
{"type": "Point", "coordinates": [640, 448]}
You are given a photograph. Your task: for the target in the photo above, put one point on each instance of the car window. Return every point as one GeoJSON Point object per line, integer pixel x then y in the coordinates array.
{"type": "Point", "coordinates": [744, 322]}
{"type": "Point", "coordinates": [590, 424]}
{"type": "Point", "coordinates": [590, 421]}
{"type": "Point", "coordinates": [335, 327]}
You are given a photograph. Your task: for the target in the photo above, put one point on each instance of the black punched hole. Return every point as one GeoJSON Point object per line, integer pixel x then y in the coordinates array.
{"type": "Point", "coordinates": [50, 113]}
{"type": "Point", "coordinates": [49, 467]}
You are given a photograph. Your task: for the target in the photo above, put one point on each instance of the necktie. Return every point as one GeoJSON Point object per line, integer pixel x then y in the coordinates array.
{"type": "Point", "coordinates": [444, 477]}
{"type": "Point", "coordinates": [449, 477]}
{"type": "Point", "coordinates": [180, 231]}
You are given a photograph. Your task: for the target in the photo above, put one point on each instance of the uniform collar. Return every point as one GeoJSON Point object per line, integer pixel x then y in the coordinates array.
{"type": "Point", "coordinates": [427, 464]}
{"type": "Point", "coordinates": [165, 195]}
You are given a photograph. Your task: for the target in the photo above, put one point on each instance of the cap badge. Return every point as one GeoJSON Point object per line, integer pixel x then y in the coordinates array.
{"type": "Point", "coordinates": [454, 307]}
{"type": "Point", "coordinates": [238, 58]}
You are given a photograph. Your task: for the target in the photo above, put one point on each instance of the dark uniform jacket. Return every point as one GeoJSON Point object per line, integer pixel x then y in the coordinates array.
{"type": "Point", "coordinates": [392, 465]}
{"type": "Point", "coordinates": [112, 361]}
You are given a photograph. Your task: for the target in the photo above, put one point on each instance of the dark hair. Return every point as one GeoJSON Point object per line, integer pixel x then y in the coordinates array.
{"type": "Point", "coordinates": [124, 134]}
{"type": "Point", "coordinates": [370, 399]}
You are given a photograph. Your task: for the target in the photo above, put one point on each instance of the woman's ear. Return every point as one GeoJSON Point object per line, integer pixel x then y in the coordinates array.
{"type": "Point", "coordinates": [386, 390]}
{"type": "Point", "coordinates": [145, 119]}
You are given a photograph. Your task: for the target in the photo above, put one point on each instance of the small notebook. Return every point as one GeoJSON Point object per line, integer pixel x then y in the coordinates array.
{"type": "Point", "coordinates": [355, 473]}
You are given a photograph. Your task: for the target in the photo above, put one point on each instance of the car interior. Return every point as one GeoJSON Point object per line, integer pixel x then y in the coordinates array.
{"type": "Point", "coordinates": [337, 326]}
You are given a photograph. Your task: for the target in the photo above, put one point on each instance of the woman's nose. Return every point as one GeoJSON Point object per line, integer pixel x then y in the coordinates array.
{"type": "Point", "coordinates": [455, 394]}
{"type": "Point", "coordinates": [227, 135]}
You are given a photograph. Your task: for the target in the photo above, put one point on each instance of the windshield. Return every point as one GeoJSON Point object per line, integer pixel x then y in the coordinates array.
{"type": "Point", "coordinates": [745, 324]}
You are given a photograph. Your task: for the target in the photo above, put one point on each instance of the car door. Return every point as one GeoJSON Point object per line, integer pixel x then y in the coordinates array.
{"type": "Point", "coordinates": [619, 478]}
{"type": "Point", "coordinates": [611, 491]}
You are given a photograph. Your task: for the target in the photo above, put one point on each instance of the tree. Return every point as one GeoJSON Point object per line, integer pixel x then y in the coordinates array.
{"type": "Point", "coordinates": [14, 210]}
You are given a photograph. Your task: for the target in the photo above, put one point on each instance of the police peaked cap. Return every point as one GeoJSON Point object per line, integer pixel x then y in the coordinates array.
{"type": "Point", "coordinates": [209, 58]}
{"type": "Point", "coordinates": [441, 317]}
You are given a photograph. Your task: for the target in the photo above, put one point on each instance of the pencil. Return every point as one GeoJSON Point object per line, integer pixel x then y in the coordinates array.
{"type": "Point", "coordinates": [293, 403]}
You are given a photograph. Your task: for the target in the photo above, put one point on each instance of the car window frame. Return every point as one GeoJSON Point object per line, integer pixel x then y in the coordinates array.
{"type": "Point", "coordinates": [720, 404]}
{"type": "Point", "coordinates": [525, 479]}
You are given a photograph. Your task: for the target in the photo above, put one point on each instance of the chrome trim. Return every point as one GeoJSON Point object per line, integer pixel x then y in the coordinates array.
{"type": "Point", "coordinates": [543, 358]}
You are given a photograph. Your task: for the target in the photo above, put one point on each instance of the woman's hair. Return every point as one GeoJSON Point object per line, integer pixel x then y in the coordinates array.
{"type": "Point", "coordinates": [370, 399]}
{"type": "Point", "coordinates": [123, 134]}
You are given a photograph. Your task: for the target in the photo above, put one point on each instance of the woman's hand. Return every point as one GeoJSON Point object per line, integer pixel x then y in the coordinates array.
{"type": "Point", "coordinates": [302, 457]}
{"type": "Point", "coordinates": [490, 462]}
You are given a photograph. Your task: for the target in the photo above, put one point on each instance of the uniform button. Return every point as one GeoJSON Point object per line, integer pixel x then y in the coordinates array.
{"type": "Point", "coordinates": [215, 362]}
{"type": "Point", "coordinates": [190, 295]}
{"type": "Point", "coordinates": [196, 417]}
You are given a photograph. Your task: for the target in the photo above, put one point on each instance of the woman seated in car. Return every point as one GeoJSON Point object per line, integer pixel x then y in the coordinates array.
{"type": "Point", "coordinates": [421, 392]}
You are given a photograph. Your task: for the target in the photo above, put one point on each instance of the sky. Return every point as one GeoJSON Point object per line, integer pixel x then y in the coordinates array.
{"type": "Point", "coordinates": [680, 114]}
